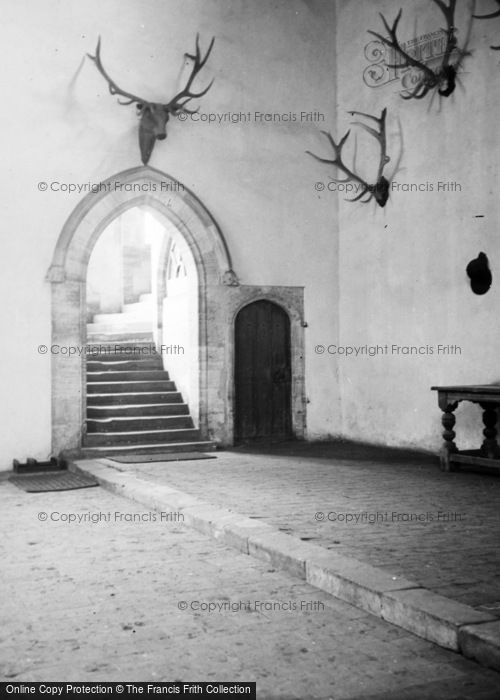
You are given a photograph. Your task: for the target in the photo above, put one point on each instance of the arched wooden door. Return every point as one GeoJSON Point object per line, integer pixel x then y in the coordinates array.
{"type": "Point", "coordinates": [262, 373]}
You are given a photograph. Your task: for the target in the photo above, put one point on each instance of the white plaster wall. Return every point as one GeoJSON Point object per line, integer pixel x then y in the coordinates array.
{"type": "Point", "coordinates": [373, 276]}
{"type": "Point", "coordinates": [156, 237]}
{"type": "Point", "coordinates": [402, 269]}
{"type": "Point", "coordinates": [180, 345]}
{"type": "Point", "coordinates": [105, 271]}
{"type": "Point", "coordinates": [60, 125]}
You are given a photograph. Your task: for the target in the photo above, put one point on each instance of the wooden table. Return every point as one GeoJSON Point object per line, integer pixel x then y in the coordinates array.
{"type": "Point", "coordinates": [488, 397]}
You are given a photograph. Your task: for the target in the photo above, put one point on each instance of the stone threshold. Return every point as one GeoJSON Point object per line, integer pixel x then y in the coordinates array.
{"type": "Point", "coordinates": [450, 624]}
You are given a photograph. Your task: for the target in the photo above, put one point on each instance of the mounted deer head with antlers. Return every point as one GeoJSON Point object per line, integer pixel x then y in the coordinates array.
{"type": "Point", "coordinates": [380, 190]}
{"type": "Point", "coordinates": [491, 16]}
{"type": "Point", "coordinates": [155, 115]}
{"type": "Point", "coordinates": [444, 77]}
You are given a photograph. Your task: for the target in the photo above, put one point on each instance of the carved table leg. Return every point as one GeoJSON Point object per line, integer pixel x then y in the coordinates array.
{"type": "Point", "coordinates": [448, 421]}
{"type": "Point", "coordinates": [489, 448]}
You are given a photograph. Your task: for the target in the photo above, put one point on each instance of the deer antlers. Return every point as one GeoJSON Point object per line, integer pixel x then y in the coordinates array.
{"type": "Point", "coordinates": [154, 115]}
{"type": "Point", "coordinates": [175, 106]}
{"type": "Point", "coordinates": [113, 87]}
{"type": "Point", "coordinates": [444, 78]}
{"type": "Point", "coordinates": [491, 16]}
{"type": "Point", "coordinates": [380, 190]}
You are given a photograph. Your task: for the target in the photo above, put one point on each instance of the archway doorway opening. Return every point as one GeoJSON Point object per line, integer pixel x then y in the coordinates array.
{"type": "Point", "coordinates": [177, 209]}
{"type": "Point", "coordinates": [262, 373]}
{"type": "Point", "coordinates": [142, 336]}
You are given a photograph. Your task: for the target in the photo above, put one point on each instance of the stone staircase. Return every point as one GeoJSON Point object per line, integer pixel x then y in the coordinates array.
{"type": "Point", "coordinates": [135, 321]}
{"type": "Point", "coordinates": [133, 405]}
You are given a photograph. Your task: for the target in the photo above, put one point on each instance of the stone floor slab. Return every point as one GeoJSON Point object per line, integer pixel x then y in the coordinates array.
{"type": "Point", "coordinates": [423, 612]}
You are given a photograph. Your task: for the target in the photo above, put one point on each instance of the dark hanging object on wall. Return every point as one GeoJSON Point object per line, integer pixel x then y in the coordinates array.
{"type": "Point", "coordinates": [154, 115]}
{"type": "Point", "coordinates": [479, 273]}
{"type": "Point", "coordinates": [380, 190]}
{"type": "Point", "coordinates": [443, 78]}
{"type": "Point", "coordinates": [491, 16]}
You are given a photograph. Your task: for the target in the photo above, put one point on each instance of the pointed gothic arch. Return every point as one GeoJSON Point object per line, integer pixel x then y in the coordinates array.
{"type": "Point", "coordinates": [170, 201]}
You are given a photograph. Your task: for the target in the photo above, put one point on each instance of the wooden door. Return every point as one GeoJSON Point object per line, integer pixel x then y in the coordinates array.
{"type": "Point", "coordinates": [262, 373]}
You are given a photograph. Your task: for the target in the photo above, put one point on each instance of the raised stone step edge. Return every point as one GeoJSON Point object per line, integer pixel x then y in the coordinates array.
{"type": "Point", "coordinates": [125, 341]}
{"type": "Point", "coordinates": [404, 603]}
{"type": "Point", "coordinates": [123, 322]}
{"type": "Point", "coordinates": [104, 451]}
{"type": "Point", "coordinates": [129, 420]}
{"type": "Point", "coordinates": [140, 437]}
{"type": "Point", "coordinates": [122, 338]}
{"type": "Point", "coordinates": [145, 410]}
{"type": "Point", "coordinates": [131, 312]}
{"type": "Point", "coordinates": [133, 305]}
{"type": "Point", "coordinates": [123, 329]}
{"type": "Point", "coordinates": [116, 364]}
{"type": "Point", "coordinates": [127, 375]}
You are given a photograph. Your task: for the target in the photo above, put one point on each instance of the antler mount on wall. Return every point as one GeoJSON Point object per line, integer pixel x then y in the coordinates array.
{"type": "Point", "coordinates": [155, 115]}
{"type": "Point", "coordinates": [378, 191]}
{"type": "Point", "coordinates": [443, 78]}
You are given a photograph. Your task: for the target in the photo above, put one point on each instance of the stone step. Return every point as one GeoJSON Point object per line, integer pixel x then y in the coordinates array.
{"type": "Point", "coordinates": [149, 448]}
{"type": "Point", "coordinates": [140, 437]}
{"type": "Point", "coordinates": [113, 352]}
{"type": "Point", "coordinates": [115, 336]}
{"type": "Point", "coordinates": [138, 307]}
{"type": "Point", "coordinates": [125, 321]}
{"type": "Point", "coordinates": [138, 410]}
{"type": "Point", "coordinates": [123, 326]}
{"type": "Point", "coordinates": [134, 375]}
{"type": "Point", "coordinates": [134, 398]}
{"type": "Point", "coordinates": [125, 341]}
{"type": "Point", "coordinates": [141, 312]}
{"type": "Point", "coordinates": [136, 358]}
{"type": "Point", "coordinates": [124, 424]}
{"type": "Point", "coordinates": [116, 363]}
{"type": "Point", "coordinates": [129, 387]}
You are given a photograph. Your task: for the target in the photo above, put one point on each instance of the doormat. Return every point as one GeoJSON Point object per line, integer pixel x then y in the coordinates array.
{"type": "Point", "coordinates": [53, 481]}
{"type": "Point", "coordinates": [161, 457]}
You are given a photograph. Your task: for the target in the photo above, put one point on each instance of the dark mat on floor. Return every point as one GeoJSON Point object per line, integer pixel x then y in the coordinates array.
{"type": "Point", "coordinates": [161, 457]}
{"type": "Point", "coordinates": [53, 481]}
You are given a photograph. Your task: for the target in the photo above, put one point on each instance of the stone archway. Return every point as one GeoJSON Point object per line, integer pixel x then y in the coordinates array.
{"type": "Point", "coordinates": [143, 186]}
